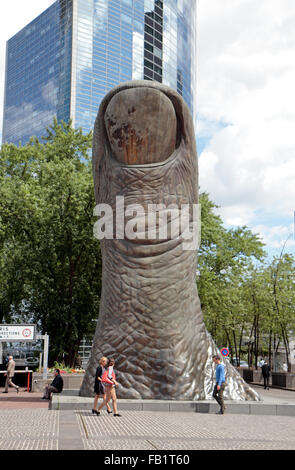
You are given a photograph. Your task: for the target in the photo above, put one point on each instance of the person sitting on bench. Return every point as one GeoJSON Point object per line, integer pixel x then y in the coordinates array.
{"type": "Point", "coordinates": [56, 385]}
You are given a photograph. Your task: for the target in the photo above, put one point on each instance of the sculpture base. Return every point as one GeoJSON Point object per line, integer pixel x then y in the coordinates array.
{"type": "Point", "coordinates": [271, 405]}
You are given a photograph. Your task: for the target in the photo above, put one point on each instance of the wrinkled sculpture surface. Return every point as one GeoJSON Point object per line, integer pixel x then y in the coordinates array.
{"type": "Point", "coordinates": [150, 317]}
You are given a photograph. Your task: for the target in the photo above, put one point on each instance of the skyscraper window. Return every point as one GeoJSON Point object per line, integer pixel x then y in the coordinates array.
{"type": "Point", "coordinates": [65, 61]}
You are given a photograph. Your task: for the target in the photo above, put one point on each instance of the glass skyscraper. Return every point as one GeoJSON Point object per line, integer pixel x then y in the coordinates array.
{"type": "Point", "coordinates": [70, 56]}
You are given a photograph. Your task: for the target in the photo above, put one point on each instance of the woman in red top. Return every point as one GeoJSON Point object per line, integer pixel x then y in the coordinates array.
{"type": "Point", "coordinates": [98, 385]}
{"type": "Point", "coordinates": [109, 381]}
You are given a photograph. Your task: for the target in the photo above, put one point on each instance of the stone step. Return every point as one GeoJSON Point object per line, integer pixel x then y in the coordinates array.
{"type": "Point", "coordinates": [70, 400]}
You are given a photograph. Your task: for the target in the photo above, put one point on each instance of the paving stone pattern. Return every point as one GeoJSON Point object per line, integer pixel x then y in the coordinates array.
{"type": "Point", "coordinates": [29, 429]}
{"type": "Point", "coordinates": [41, 429]}
{"type": "Point", "coordinates": [183, 431]}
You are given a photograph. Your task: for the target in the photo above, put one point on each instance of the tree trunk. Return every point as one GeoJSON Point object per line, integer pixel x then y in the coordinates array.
{"type": "Point", "coordinates": [229, 343]}
{"type": "Point", "coordinates": [236, 348]}
{"type": "Point", "coordinates": [287, 348]}
{"type": "Point", "coordinates": [270, 349]}
{"type": "Point", "coordinates": [251, 352]}
{"type": "Point", "coordinates": [250, 346]}
{"type": "Point", "coordinates": [240, 342]}
{"type": "Point", "coordinates": [257, 341]}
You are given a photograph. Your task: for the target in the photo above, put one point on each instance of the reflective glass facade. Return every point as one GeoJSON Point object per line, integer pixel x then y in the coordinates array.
{"type": "Point", "coordinates": [38, 74]}
{"type": "Point", "coordinates": [96, 45]}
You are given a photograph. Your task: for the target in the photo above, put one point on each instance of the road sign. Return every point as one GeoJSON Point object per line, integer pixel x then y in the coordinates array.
{"type": "Point", "coordinates": [17, 332]}
{"type": "Point", "coordinates": [224, 352]}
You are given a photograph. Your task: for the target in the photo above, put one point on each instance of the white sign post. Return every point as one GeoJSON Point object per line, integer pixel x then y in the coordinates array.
{"type": "Point", "coordinates": [45, 354]}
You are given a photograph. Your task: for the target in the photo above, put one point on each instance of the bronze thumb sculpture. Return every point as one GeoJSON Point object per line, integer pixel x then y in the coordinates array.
{"type": "Point", "coordinates": [150, 317]}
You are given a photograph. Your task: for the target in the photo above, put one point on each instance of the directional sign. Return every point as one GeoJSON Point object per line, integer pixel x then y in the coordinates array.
{"type": "Point", "coordinates": [17, 332]}
{"type": "Point", "coordinates": [224, 352]}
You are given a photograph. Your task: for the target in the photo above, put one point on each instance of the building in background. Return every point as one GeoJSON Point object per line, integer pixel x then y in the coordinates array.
{"type": "Point", "coordinates": [64, 62]}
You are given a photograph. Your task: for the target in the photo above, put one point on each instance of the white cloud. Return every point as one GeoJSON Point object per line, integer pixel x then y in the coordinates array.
{"type": "Point", "coordinates": [246, 76]}
{"type": "Point", "coordinates": [15, 14]}
{"type": "Point", "coordinates": [39, 123]}
{"type": "Point", "coordinates": [277, 237]}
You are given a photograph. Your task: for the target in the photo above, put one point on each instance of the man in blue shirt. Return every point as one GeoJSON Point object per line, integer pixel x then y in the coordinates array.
{"type": "Point", "coordinates": [220, 384]}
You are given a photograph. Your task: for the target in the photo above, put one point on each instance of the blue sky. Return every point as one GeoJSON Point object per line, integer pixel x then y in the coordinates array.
{"type": "Point", "coordinates": [246, 114]}
{"type": "Point", "coordinates": [245, 108]}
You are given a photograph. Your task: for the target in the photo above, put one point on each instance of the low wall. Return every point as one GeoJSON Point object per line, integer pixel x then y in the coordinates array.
{"type": "Point", "coordinates": [247, 374]}
{"type": "Point", "coordinates": [290, 381]}
{"type": "Point", "coordinates": [276, 379]}
{"type": "Point", "coordinates": [71, 381]}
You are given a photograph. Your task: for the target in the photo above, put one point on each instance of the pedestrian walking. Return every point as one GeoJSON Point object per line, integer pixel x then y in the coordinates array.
{"type": "Point", "coordinates": [261, 362]}
{"type": "Point", "coordinates": [265, 369]}
{"type": "Point", "coordinates": [110, 383]}
{"type": "Point", "coordinates": [220, 384]}
{"type": "Point", "coordinates": [56, 385]}
{"type": "Point", "coordinates": [99, 389]}
{"type": "Point", "coordinates": [9, 374]}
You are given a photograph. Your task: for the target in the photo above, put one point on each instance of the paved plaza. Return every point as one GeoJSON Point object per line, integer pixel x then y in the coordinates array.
{"type": "Point", "coordinates": [26, 423]}
{"type": "Point", "coordinates": [41, 429]}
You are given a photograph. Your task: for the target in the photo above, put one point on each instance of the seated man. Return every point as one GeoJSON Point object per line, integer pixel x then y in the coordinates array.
{"type": "Point", "coordinates": [56, 386]}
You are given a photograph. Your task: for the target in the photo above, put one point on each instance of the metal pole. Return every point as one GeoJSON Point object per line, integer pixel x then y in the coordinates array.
{"type": "Point", "coordinates": [45, 360]}
{"type": "Point", "coordinates": [28, 381]}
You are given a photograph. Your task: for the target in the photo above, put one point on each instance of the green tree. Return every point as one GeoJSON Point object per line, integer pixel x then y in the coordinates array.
{"type": "Point", "coordinates": [46, 210]}
{"type": "Point", "coordinates": [282, 281]}
{"type": "Point", "coordinates": [258, 300]}
{"type": "Point", "coordinates": [270, 296]}
{"type": "Point", "coordinates": [224, 256]}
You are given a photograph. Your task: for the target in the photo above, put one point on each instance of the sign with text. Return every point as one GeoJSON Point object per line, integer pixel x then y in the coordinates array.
{"type": "Point", "coordinates": [17, 332]}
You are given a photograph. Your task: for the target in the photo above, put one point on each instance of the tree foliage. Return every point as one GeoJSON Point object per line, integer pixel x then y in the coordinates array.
{"type": "Point", "coordinates": [50, 260]}
{"type": "Point", "coordinates": [248, 303]}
